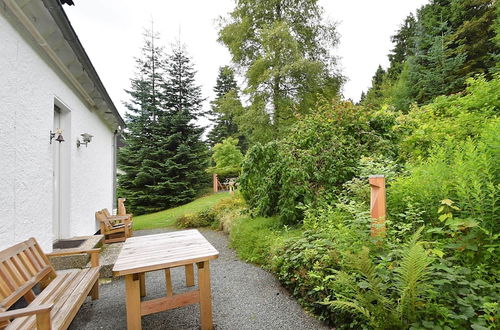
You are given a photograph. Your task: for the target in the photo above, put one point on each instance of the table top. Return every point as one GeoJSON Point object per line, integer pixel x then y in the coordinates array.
{"type": "Point", "coordinates": [153, 252]}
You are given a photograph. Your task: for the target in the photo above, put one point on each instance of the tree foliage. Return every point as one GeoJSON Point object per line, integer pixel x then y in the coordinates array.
{"type": "Point", "coordinates": [284, 51]}
{"type": "Point", "coordinates": [226, 109]}
{"type": "Point", "coordinates": [227, 158]}
{"type": "Point", "coordinates": [164, 159]}
{"type": "Point", "coordinates": [435, 52]}
{"type": "Point", "coordinates": [318, 155]}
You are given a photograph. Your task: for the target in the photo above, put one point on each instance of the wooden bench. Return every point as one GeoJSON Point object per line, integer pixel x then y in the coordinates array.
{"type": "Point", "coordinates": [24, 266]}
{"type": "Point", "coordinates": [114, 228]}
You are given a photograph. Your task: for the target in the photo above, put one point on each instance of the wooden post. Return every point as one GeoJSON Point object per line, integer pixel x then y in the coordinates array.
{"type": "Point", "coordinates": [377, 205]}
{"type": "Point", "coordinates": [216, 183]}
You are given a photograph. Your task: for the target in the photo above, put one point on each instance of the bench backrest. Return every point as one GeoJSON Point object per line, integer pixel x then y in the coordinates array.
{"type": "Point", "coordinates": [103, 220]}
{"type": "Point", "coordinates": [121, 206]}
{"type": "Point", "coordinates": [22, 266]}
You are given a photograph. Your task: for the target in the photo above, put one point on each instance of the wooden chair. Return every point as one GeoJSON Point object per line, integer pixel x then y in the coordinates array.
{"type": "Point", "coordinates": [121, 207]}
{"type": "Point", "coordinates": [23, 266]}
{"type": "Point", "coordinates": [114, 228]}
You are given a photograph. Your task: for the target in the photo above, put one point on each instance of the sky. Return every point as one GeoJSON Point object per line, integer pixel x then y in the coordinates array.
{"type": "Point", "coordinates": [111, 32]}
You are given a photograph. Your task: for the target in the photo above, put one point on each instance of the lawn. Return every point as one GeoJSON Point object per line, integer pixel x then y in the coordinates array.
{"type": "Point", "coordinates": [167, 218]}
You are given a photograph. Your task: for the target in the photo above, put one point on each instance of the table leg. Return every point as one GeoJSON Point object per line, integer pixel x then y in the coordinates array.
{"type": "Point", "coordinates": [168, 282]}
{"type": "Point", "coordinates": [142, 280]}
{"type": "Point", "coordinates": [205, 295]}
{"type": "Point", "coordinates": [189, 275]}
{"type": "Point", "coordinates": [133, 301]}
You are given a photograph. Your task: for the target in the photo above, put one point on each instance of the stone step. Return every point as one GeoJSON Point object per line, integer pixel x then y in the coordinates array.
{"type": "Point", "coordinates": [108, 255]}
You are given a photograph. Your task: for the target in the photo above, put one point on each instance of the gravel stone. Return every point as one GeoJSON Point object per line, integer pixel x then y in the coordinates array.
{"type": "Point", "coordinates": [244, 296]}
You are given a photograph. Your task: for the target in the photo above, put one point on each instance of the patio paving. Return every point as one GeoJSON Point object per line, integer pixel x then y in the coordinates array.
{"type": "Point", "coordinates": [244, 296]}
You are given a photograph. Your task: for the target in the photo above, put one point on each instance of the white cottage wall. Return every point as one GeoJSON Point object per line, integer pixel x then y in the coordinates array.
{"type": "Point", "coordinates": [29, 87]}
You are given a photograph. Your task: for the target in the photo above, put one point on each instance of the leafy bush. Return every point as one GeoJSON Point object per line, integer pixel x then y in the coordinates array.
{"type": "Point", "coordinates": [203, 218]}
{"type": "Point", "coordinates": [227, 157]}
{"type": "Point", "coordinates": [218, 216]}
{"type": "Point", "coordinates": [450, 118]}
{"type": "Point", "coordinates": [467, 173]}
{"type": "Point", "coordinates": [227, 210]}
{"type": "Point", "coordinates": [318, 155]}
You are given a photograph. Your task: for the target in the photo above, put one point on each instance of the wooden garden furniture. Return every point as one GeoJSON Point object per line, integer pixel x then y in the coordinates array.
{"type": "Point", "coordinates": [114, 228]}
{"type": "Point", "coordinates": [164, 251]}
{"type": "Point", "coordinates": [22, 267]}
{"type": "Point", "coordinates": [122, 211]}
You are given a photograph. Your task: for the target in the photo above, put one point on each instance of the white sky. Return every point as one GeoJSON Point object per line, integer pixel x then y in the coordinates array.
{"type": "Point", "coordinates": [111, 33]}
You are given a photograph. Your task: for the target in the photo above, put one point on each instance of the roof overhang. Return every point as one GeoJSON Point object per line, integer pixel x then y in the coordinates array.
{"type": "Point", "coordinates": [48, 24]}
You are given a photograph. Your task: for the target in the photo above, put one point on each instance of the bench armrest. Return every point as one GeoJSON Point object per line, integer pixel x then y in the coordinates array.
{"type": "Point", "coordinates": [94, 255]}
{"type": "Point", "coordinates": [42, 313]}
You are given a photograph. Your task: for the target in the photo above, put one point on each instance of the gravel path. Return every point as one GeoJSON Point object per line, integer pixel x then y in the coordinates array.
{"type": "Point", "coordinates": [244, 297]}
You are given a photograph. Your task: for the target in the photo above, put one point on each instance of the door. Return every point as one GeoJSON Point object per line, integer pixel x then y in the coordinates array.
{"type": "Point", "coordinates": [56, 150]}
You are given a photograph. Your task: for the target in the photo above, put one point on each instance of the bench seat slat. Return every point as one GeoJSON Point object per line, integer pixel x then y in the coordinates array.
{"type": "Point", "coordinates": [67, 292]}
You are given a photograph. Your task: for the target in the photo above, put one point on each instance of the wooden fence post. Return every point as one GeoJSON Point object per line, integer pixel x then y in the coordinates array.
{"type": "Point", "coordinates": [377, 205]}
{"type": "Point", "coordinates": [216, 183]}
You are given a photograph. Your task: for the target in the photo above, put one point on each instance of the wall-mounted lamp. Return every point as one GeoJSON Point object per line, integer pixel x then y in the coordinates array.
{"type": "Point", "coordinates": [59, 137]}
{"type": "Point", "coordinates": [86, 138]}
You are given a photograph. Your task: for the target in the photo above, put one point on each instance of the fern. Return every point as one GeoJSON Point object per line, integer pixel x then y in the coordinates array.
{"type": "Point", "coordinates": [412, 272]}
{"type": "Point", "coordinates": [376, 303]}
{"type": "Point", "coordinates": [350, 306]}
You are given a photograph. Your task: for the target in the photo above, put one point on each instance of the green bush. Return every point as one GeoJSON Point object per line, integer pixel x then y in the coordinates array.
{"type": "Point", "coordinates": [449, 118]}
{"type": "Point", "coordinates": [318, 155]}
{"type": "Point", "coordinates": [227, 157]}
{"type": "Point", "coordinates": [385, 300]}
{"type": "Point", "coordinates": [468, 173]}
{"type": "Point", "coordinates": [203, 218]}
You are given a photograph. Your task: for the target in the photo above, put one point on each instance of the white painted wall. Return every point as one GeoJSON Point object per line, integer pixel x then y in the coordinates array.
{"type": "Point", "coordinates": [29, 86]}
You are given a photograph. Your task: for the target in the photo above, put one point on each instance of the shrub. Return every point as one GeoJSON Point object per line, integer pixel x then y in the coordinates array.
{"type": "Point", "coordinates": [319, 154]}
{"type": "Point", "coordinates": [467, 173]}
{"type": "Point", "coordinates": [386, 302]}
{"type": "Point", "coordinates": [450, 118]}
{"type": "Point", "coordinates": [203, 218]}
{"type": "Point", "coordinates": [227, 157]}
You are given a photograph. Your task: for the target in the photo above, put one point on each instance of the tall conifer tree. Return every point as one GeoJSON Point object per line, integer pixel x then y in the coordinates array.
{"type": "Point", "coordinates": [144, 109]}
{"type": "Point", "coordinates": [225, 108]}
{"type": "Point", "coordinates": [164, 159]}
{"type": "Point", "coordinates": [188, 154]}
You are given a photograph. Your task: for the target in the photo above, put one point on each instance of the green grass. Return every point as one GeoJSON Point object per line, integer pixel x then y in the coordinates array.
{"type": "Point", "coordinates": [255, 238]}
{"type": "Point", "coordinates": [167, 218]}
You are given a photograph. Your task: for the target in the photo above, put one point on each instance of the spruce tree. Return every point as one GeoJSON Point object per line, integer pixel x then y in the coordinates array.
{"type": "Point", "coordinates": [374, 96]}
{"type": "Point", "coordinates": [144, 108]}
{"type": "Point", "coordinates": [164, 159]}
{"type": "Point", "coordinates": [225, 108]}
{"type": "Point", "coordinates": [186, 154]}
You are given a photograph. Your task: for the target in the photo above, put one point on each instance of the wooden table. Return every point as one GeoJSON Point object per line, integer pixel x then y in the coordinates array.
{"type": "Point", "coordinates": [143, 254]}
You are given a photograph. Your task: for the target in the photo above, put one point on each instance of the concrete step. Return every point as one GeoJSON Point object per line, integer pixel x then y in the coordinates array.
{"type": "Point", "coordinates": [77, 260]}
{"type": "Point", "coordinates": [108, 255]}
